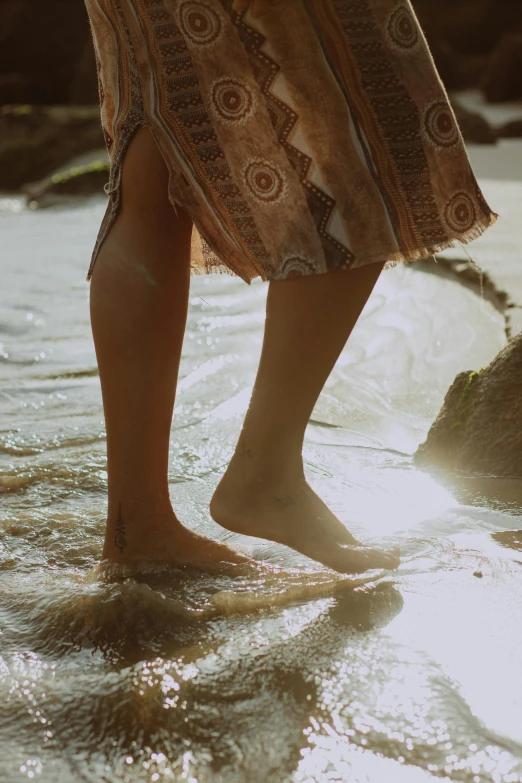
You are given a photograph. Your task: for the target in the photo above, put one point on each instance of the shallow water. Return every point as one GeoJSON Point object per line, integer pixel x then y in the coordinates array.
{"type": "Point", "coordinates": [290, 676]}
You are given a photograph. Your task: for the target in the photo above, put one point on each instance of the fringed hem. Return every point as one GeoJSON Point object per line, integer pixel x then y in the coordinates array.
{"type": "Point", "coordinates": [461, 239]}
{"type": "Point", "coordinates": [420, 254]}
{"type": "Point", "coordinates": [215, 269]}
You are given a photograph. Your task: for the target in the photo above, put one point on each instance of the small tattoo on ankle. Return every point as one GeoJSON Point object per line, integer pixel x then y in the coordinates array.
{"type": "Point", "coordinates": [285, 500]}
{"type": "Point", "coordinates": [119, 538]}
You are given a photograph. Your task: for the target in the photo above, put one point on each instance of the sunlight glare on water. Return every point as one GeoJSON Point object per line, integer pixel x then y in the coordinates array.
{"type": "Point", "coordinates": [285, 673]}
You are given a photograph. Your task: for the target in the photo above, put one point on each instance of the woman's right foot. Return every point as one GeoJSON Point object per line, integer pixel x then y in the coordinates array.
{"type": "Point", "coordinates": [291, 513]}
{"type": "Point", "coordinates": [134, 537]}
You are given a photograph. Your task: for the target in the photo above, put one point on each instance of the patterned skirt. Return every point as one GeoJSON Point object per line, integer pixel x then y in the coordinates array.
{"type": "Point", "coordinates": [317, 137]}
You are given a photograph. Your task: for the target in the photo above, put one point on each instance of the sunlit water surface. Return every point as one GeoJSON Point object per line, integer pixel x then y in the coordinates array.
{"type": "Point", "coordinates": [300, 677]}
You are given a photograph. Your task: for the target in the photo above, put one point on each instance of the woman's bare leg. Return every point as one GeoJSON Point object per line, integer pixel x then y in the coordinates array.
{"type": "Point", "coordinates": [264, 492]}
{"type": "Point", "coordinates": [139, 300]}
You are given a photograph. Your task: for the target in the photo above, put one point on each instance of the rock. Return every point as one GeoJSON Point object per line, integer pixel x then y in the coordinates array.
{"type": "Point", "coordinates": [469, 70]}
{"type": "Point", "coordinates": [457, 71]}
{"type": "Point", "coordinates": [511, 130]}
{"type": "Point", "coordinates": [84, 85]}
{"type": "Point", "coordinates": [502, 80]}
{"type": "Point", "coordinates": [474, 127]}
{"type": "Point", "coordinates": [36, 140]}
{"type": "Point", "coordinates": [479, 428]}
{"type": "Point", "coordinates": [462, 34]}
{"type": "Point", "coordinates": [41, 49]}
{"type": "Point", "coordinates": [469, 27]}
{"type": "Point", "coordinates": [46, 48]}
{"type": "Point", "coordinates": [78, 181]}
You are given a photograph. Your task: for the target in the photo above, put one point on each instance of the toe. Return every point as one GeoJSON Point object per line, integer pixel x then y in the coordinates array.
{"type": "Point", "coordinates": [358, 559]}
{"type": "Point", "coordinates": [378, 558]}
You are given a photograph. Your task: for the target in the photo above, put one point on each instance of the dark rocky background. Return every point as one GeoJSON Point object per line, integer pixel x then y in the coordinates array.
{"type": "Point", "coordinates": [49, 91]}
{"type": "Point", "coordinates": [46, 51]}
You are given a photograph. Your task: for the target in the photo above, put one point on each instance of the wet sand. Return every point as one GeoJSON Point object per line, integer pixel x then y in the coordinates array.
{"type": "Point", "coordinates": [295, 676]}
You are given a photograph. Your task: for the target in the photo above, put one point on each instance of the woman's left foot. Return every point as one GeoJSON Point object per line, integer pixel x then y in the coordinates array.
{"type": "Point", "coordinates": [288, 511]}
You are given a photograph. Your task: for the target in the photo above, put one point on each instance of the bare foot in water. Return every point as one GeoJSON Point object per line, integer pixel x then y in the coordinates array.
{"type": "Point", "coordinates": [289, 512]}
{"type": "Point", "coordinates": [132, 538]}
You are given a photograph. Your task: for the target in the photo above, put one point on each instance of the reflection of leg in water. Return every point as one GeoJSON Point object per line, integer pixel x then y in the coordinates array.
{"type": "Point", "coordinates": [512, 539]}
{"type": "Point", "coordinates": [139, 300]}
{"type": "Point", "coordinates": [264, 492]}
{"type": "Point", "coordinates": [364, 610]}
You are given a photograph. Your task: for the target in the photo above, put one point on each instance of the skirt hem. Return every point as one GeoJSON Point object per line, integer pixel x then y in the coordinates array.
{"type": "Point", "coordinates": [463, 239]}
{"type": "Point", "coordinates": [420, 254]}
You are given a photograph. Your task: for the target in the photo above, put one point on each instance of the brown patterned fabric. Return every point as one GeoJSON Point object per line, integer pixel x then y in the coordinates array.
{"type": "Point", "coordinates": [318, 137]}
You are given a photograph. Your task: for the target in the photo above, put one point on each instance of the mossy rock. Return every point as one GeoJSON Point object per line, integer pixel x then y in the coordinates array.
{"type": "Point", "coordinates": [81, 179]}
{"type": "Point", "coordinates": [479, 428]}
{"type": "Point", "coordinates": [78, 180]}
{"type": "Point", "coordinates": [34, 141]}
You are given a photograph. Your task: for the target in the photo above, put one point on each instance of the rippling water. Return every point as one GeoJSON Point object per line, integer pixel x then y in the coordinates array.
{"type": "Point", "coordinates": [296, 677]}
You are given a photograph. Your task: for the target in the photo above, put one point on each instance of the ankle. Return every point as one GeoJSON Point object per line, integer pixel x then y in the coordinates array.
{"type": "Point", "coordinates": [248, 477]}
{"type": "Point", "coordinates": [268, 456]}
{"type": "Point", "coordinates": [130, 533]}
{"type": "Point", "coordinates": [145, 514]}
{"type": "Point", "coordinates": [143, 503]}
